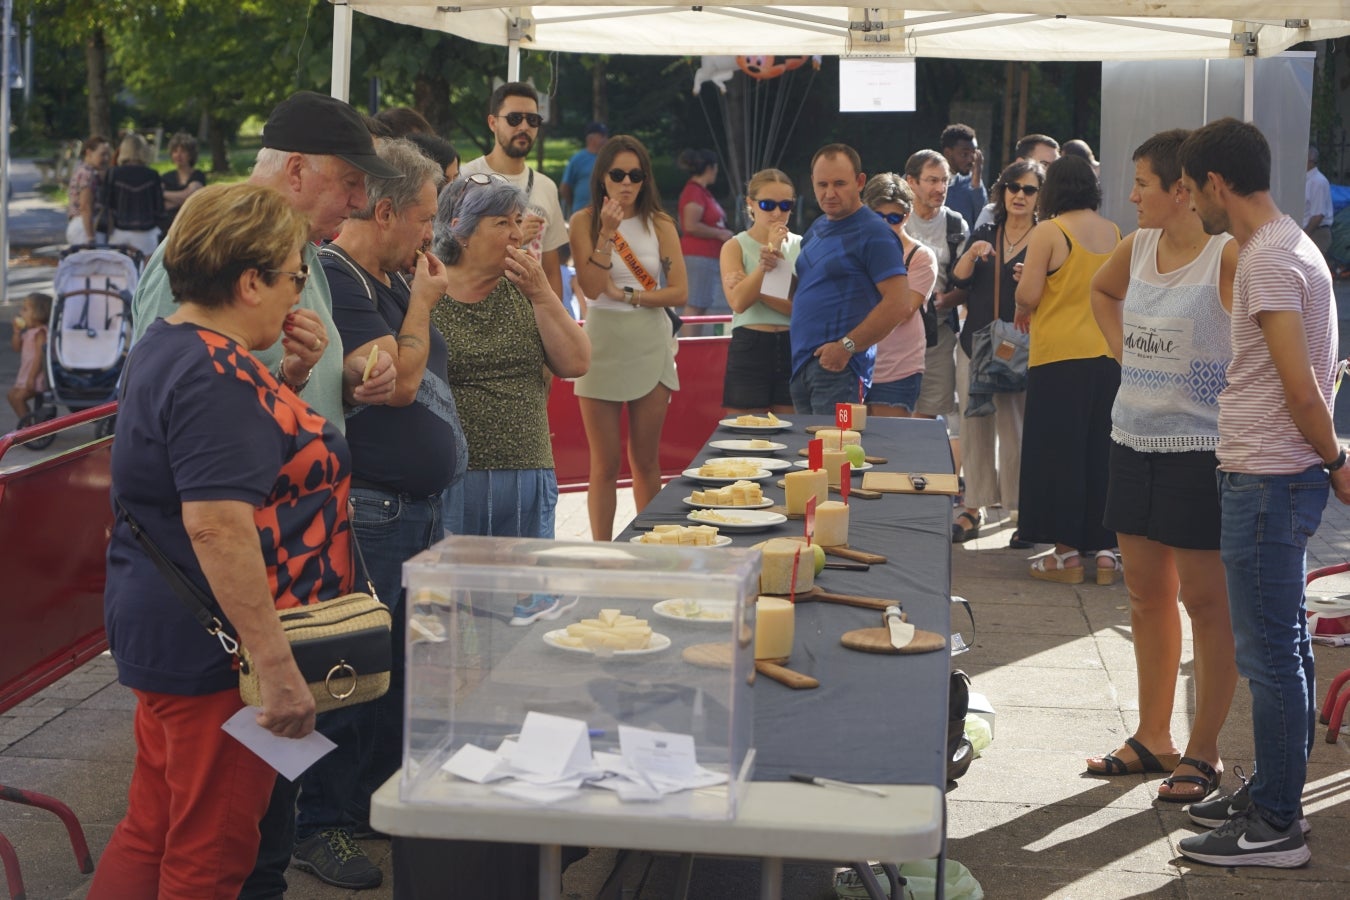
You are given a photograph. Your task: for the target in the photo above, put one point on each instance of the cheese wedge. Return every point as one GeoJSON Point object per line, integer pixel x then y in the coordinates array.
{"type": "Point", "coordinates": [370, 363]}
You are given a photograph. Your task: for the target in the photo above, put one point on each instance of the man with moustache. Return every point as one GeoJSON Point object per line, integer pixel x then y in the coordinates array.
{"type": "Point", "coordinates": [944, 232]}
{"type": "Point", "coordinates": [851, 288]}
{"type": "Point", "coordinates": [513, 116]}
{"type": "Point", "coordinates": [404, 454]}
{"type": "Point", "coordinates": [1278, 456]}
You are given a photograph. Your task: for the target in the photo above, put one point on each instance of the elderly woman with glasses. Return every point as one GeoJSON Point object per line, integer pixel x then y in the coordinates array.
{"type": "Point", "coordinates": [898, 374]}
{"type": "Point", "coordinates": [759, 360]}
{"type": "Point", "coordinates": [243, 487]}
{"type": "Point", "coordinates": [986, 271]}
{"type": "Point", "coordinates": [628, 259]}
{"type": "Point", "coordinates": [506, 330]}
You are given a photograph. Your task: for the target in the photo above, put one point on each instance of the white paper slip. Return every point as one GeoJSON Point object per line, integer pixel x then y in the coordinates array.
{"type": "Point", "coordinates": [289, 756]}
{"type": "Point", "coordinates": [531, 793]}
{"type": "Point", "coordinates": [552, 745]}
{"type": "Point", "coordinates": [658, 753]}
{"type": "Point", "coordinates": [778, 283]}
{"type": "Point", "coordinates": [473, 763]}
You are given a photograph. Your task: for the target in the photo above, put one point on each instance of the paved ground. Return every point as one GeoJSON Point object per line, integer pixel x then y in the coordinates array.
{"type": "Point", "coordinates": [1055, 660]}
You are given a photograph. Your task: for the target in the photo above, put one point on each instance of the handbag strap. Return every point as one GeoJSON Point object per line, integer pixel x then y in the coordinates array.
{"type": "Point", "coordinates": [998, 269]}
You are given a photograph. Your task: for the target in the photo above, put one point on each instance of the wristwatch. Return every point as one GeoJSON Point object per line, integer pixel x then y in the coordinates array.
{"type": "Point", "coordinates": [630, 296]}
{"type": "Point", "coordinates": [1335, 463]}
{"type": "Point", "coordinates": [848, 344]}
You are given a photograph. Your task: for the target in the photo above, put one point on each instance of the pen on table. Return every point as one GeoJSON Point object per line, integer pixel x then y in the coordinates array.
{"type": "Point", "coordinates": [835, 783]}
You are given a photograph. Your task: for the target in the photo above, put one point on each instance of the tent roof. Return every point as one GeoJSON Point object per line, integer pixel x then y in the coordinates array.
{"type": "Point", "coordinates": [1083, 30]}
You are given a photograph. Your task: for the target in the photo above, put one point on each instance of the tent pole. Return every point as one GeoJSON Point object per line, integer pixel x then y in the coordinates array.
{"type": "Point", "coordinates": [1248, 88]}
{"type": "Point", "coordinates": [513, 59]}
{"type": "Point", "coordinates": [342, 51]}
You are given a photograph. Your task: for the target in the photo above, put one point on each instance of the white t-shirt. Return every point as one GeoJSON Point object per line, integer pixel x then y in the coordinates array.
{"type": "Point", "coordinates": [543, 197]}
{"type": "Point", "coordinates": [1317, 198]}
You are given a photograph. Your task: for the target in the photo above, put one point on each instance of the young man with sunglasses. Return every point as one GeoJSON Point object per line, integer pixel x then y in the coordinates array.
{"type": "Point", "coordinates": [513, 117]}
{"type": "Point", "coordinates": [851, 288]}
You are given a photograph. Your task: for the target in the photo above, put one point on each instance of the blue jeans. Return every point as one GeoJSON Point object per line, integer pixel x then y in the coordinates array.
{"type": "Point", "coordinates": [1267, 520]}
{"type": "Point", "coordinates": [503, 503]}
{"type": "Point", "coordinates": [816, 391]}
{"type": "Point", "coordinates": [335, 791]}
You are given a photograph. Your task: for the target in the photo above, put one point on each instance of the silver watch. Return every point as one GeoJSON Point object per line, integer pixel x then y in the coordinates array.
{"type": "Point", "coordinates": [848, 344]}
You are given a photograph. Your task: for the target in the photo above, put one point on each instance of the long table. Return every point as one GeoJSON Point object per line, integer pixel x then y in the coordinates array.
{"type": "Point", "coordinates": [875, 719]}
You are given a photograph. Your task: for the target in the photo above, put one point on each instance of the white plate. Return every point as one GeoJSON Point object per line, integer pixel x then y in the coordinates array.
{"type": "Point", "coordinates": [657, 643]}
{"type": "Point", "coordinates": [803, 463]}
{"type": "Point", "coordinates": [754, 520]}
{"type": "Point", "coordinates": [783, 425]}
{"type": "Point", "coordinates": [666, 610]}
{"type": "Point", "coordinates": [744, 446]}
{"type": "Point", "coordinates": [720, 541]}
{"type": "Point", "coordinates": [764, 462]}
{"type": "Point", "coordinates": [760, 475]}
{"type": "Point", "coordinates": [763, 504]}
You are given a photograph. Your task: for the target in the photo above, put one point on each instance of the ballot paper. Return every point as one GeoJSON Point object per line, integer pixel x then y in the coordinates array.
{"type": "Point", "coordinates": [289, 756]}
{"type": "Point", "coordinates": [473, 763]}
{"type": "Point", "coordinates": [778, 281]}
{"type": "Point", "coordinates": [552, 745]}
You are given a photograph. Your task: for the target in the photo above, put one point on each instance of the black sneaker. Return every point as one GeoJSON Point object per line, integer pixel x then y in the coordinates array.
{"type": "Point", "coordinates": [334, 858]}
{"type": "Point", "coordinates": [1247, 839]}
{"type": "Point", "coordinates": [1213, 813]}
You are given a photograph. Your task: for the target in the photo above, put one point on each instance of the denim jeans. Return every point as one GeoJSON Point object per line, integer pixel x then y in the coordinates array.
{"type": "Point", "coordinates": [503, 503]}
{"type": "Point", "coordinates": [816, 391]}
{"type": "Point", "coordinates": [1267, 520]}
{"type": "Point", "coordinates": [335, 791]}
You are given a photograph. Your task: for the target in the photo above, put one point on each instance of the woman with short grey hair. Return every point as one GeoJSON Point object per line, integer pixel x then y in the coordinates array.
{"type": "Point", "coordinates": [505, 329]}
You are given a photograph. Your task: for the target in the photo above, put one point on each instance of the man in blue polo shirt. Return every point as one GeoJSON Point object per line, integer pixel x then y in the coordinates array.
{"type": "Point", "coordinates": [850, 288]}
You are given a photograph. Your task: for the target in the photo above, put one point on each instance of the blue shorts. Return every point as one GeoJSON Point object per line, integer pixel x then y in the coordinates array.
{"type": "Point", "coordinates": [903, 393]}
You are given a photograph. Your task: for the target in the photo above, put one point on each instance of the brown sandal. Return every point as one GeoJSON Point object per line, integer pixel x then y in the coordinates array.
{"type": "Point", "coordinates": [1144, 762]}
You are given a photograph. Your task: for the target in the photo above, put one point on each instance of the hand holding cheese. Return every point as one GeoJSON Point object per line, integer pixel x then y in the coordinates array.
{"type": "Point", "coordinates": [612, 630]}
{"type": "Point", "coordinates": [370, 363]}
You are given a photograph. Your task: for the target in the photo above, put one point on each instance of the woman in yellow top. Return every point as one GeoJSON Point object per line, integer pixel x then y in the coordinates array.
{"type": "Point", "coordinates": [1071, 382]}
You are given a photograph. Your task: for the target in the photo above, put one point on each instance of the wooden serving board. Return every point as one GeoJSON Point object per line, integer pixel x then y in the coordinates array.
{"type": "Point", "coordinates": [878, 640]}
{"type": "Point", "coordinates": [874, 460]}
{"type": "Point", "coordinates": [899, 483]}
{"type": "Point", "coordinates": [819, 594]}
{"type": "Point", "coordinates": [846, 552]}
{"type": "Point", "coordinates": [718, 656]}
{"type": "Point", "coordinates": [860, 493]}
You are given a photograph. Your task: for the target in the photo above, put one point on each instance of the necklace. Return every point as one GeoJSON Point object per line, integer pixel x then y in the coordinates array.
{"type": "Point", "coordinates": [1010, 245]}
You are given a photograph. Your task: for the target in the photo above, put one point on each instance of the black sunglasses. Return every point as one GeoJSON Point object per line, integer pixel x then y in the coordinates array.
{"type": "Point", "coordinates": [634, 175]}
{"type": "Point", "coordinates": [1029, 189]}
{"type": "Point", "coordinates": [515, 118]}
{"type": "Point", "coordinates": [771, 205]}
{"type": "Point", "coordinates": [891, 218]}
{"type": "Point", "coordinates": [297, 278]}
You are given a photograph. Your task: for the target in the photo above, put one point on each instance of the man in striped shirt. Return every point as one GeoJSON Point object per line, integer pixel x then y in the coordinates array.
{"type": "Point", "coordinates": [1278, 455]}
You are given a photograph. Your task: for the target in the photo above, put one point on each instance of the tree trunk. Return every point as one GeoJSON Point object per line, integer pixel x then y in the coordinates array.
{"type": "Point", "coordinates": [220, 157]}
{"type": "Point", "coordinates": [599, 91]}
{"type": "Point", "coordinates": [431, 97]}
{"type": "Point", "coordinates": [96, 65]}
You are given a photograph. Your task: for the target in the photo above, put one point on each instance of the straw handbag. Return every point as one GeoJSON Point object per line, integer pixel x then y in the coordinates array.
{"type": "Point", "coordinates": [343, 647]}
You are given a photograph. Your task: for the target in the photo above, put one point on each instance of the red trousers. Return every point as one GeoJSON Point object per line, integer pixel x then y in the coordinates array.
{"type": "Point", "coordinates": [196, 797]}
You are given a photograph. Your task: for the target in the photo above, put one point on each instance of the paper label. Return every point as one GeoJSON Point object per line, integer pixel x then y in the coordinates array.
{"type": "Point", "coordinates": [843, 417]}
{"type": "Point", "coordinates": [810, 512]}
{"type": "Point", "coordinates": [815, 454]}
{"type": "Point", "coordinates": [845, 481]}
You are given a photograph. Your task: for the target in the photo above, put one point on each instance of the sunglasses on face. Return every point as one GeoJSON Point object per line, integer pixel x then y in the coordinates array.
{"type": "Point", "coordinates": [891, 218]}
{"type": "Point", "coordinates": [771, 205]}
{"type": "Point", "coordinates": [1029, 189]}
{"type": "Point", "coordinates": [515, 118]}
{"type": "Point", "coordinates": [634, 175]}
{"type": "Point", "coordinates": [297, 278]}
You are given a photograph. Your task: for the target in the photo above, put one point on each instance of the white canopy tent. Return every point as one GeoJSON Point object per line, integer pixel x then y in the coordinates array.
{"type": "Point", "coordinates": [1045, 30]}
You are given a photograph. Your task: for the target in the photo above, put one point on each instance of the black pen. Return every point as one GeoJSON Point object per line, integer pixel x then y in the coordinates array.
{"type": "Point", "coordinates": [835, 783]}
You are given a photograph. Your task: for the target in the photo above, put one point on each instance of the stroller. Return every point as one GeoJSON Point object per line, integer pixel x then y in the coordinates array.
{"type": "Point", "coordinates": [90, 329]}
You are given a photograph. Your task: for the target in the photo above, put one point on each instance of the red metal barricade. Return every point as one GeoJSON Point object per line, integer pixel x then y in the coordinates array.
{"type": "Point", "coordinates": [54, 524]}
{"type": "Point", "coordinates": [694, 411]}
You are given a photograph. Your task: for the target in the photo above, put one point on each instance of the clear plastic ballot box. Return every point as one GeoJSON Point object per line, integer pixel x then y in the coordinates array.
{"type": "Point", "coordinates": [501, 629]}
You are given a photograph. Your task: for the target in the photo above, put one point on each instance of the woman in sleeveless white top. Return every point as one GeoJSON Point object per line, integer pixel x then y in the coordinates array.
{"type": "Point", "coordinates": [627, 254]}
{"type": "Point", "coordinates": [1162, 303]}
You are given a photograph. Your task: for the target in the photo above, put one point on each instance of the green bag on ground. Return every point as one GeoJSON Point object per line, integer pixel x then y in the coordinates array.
{"type": "Point", "coordinates": [920, 882]}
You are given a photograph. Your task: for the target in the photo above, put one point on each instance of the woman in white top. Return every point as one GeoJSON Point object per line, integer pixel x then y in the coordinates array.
{"type": "Point", "coordinates": [628, 259]}
{"type": "Point", "coordinates": [1162, 301]}
{"type": "Point", "coordinates": [759, 359]}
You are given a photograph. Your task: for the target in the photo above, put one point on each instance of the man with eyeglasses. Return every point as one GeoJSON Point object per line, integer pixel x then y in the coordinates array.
{"type": "Point", "coordinates": [944, 232]}
{"type": "Point", "coordinates": [316, 152]}
{"type": "Point", "coordinates": [851, 288]}
{"type": "Point", "coordinates": [513, 116]}
{"type": "Point", "coordinates": [404, 454]}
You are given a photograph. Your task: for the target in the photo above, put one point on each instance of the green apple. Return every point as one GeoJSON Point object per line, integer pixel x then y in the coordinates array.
{"type": "Point", "coordinates": [854, 452]}
{"type": "Point", "coordinates": [820, 558]}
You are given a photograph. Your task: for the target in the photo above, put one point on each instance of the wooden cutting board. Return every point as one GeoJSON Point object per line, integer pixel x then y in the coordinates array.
{"type": "Point", "coordinates": [818, 593]}
{"type": "Point", "coordinates": [878, 640]}
{"type": "Point", "coordinates": [846, 552]}
{"type": "Point", "coordinates": [860, 493]}
{"type": "Point", "coordinates": [718, 656]}
{"type": "Point", "coordinates": [899, 483]}
{"type": "Point", "coordinates": [874, 460]}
